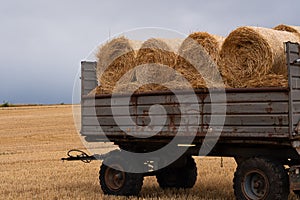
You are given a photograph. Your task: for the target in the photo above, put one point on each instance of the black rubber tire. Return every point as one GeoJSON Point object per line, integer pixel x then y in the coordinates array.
{"type": "Point", "coordinates": [260, 178]}
{"type": "Point", "coordinates": [184, 177]}
{"type": "Point", "coordinates": [131, 182]}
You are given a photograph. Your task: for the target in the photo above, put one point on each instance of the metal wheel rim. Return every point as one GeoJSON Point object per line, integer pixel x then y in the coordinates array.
{"type": "Point", "coordinates": [255, 185]}
{"type": "Point", "coordinates": [115, 177]}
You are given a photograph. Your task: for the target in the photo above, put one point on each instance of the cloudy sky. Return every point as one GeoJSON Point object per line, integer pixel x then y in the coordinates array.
{"type": "Point", "coordinates": [43, 42]}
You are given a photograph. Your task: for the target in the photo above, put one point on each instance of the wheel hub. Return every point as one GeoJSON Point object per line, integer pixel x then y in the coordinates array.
{"type": "Point", "coordinates": [255, 185]}
{"type": "Point", "coordinates": [114, 178]}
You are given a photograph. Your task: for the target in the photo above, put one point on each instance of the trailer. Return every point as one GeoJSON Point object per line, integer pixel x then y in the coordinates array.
{"type": "Point", "coordinates": [261, 130]}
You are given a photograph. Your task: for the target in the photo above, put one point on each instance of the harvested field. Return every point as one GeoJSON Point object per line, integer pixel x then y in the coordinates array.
{"type": "Point", "coordinates": [33, 139]}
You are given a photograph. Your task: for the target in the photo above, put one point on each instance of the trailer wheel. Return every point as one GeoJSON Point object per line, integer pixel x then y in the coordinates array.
{"type": "Point", "coordinates": [115, 181]}
{"type": "Point", "coordinates": [183, 177]}
{"type": "Point", "coordinates": [259, 178]}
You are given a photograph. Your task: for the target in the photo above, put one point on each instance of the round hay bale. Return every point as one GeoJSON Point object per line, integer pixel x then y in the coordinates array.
{"type": "Point", "coordinates": [288, 28]}
{"type": "Point", "coordinates": [251, 52]}
{"type": "Point", "coordinates": [114, 60]}
{"type": "Point", "coordinates": [194, 64]}
{"type": "Point", "coordinates": [173, 43]}
{"type": "Point", "coordinates": [135, 87]}
{"type": "Point", "coordinates": [154, 57]}
{"type": "Point", "coordinates": [211, 43]}
{"type": "Point", "coordinates": [269, 80]}
{"type": "Point", "coordinates": [98, 91]}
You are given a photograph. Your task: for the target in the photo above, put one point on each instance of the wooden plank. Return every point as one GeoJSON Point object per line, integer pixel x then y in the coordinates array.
{"type": "Point", "coordinates": [89, 85]}
{"type": "Point", "coordinates": [130, 129]}
{"type": "Point", "coordinates": [296, 118]}
{"type": "Point", "coordinates": [174, 109]}
{"type": "Point", "coordinates": [88, 65]}
{"type": "Point", "coordinates": [107, 111]}
{"type": "Point", "coordinates": [230, 97]}
{"type": "Point", "coordinates": [255, 135]}
{"type": "Point", "coordinates": [295, 94]}
{"type": "Point", "coordinates": [296, 83]}
{"type": "Point", "coordinates": [123, 110]}
{"type": "Point", "coordinates": [252, 97]}
{"type": "Point", "coordinates": [296, 106]}
{"type": "Point", "coordinates": [173, 120]}
{"type": "Point", "coordinates": [251, 129]}
{"type": "Point", "coordinates": [231, 108]}
{"type": "Point", "coordinates": [293, 47]}
{"type": "Point", "coordinates": [90, 79]}
{"type": "Point", "coordinates": [295, 70]}
{"type": "Point", "coordinates": [189, 120]}
{"type": "Point", "coordinates": [89, 74]}
{"type": "Point", "coordinates": [250, 120]}
{"type": "Point", "coordinates": [105, 102]}
{"type": "Point", "coordinates": [107, 121]}
{"type": "Point", "coordinates": [248, 108]}
{"type": "Point", "coordinates": [87, 91]}
{"type": "Point", "coordinates": [293, 56]}
{"type": "Point", "coordinates": [166, 99]}
{"type": "Point", "coordinates": [227, 131]}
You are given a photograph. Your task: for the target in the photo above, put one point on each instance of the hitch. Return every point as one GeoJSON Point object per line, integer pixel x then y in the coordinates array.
{"type": "Point", "coordinates": [76, 155]}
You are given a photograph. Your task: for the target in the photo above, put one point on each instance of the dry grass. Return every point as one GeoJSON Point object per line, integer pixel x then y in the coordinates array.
{"type": "Point", "coordinates": [99, 90]}
{"type": "Point", "coordinates": [33, 139]}
{"type": "Point", "coordinates": [249, 53]}
{"type": "Point", "coordinates": [211, 43]}
{"type": "Point", "coordinates": [196, 65]}
{"type": "Point", "coordinates": [114, 60]}
{"type": "Point", "coordinates": [151, 57]}
{"type": "Point", "coordinates": [288, 28]}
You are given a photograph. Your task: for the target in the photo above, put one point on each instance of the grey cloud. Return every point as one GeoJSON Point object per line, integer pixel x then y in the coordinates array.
{"type": "Point", "coordinates": [42, 42]}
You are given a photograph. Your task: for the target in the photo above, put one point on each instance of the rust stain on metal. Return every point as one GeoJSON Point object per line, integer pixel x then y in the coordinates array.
{"type": "Point", "coordinates": [280, 120]}
{"type": "Point", "coordinates": [172, 126]}
{"type": "Point", "coordinates": [269, 109]}
{"type": "Point", "coordinates": [146, 112]}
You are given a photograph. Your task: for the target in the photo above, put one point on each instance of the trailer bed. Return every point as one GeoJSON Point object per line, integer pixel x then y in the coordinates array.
{"type": "Point", "coordinates": [254, 116]}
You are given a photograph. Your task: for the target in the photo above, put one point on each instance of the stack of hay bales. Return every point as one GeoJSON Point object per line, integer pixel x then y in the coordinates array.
{"type": "Point", "coordinates": [255, 57]}
{"type": "Point", "coordinates": [115, 59]}
{"type": "Point", "coordinates": [199, 52]}
{"type": "Point", "coordinates": [154, 64]}
{"type": "Point", "coordinates": [249, 57]}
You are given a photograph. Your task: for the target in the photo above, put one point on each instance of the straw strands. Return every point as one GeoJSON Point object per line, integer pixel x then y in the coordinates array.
{"type": "Point", "coordinates": [249, 57]}
{"type": "Point", "coordinates": [156, 60]}
{"type": "Point", "coordinates": [269, 80]}
{"type": "Point", "coordinates": [99, 90]}
{"type": "Point", "coordinates": [114, 60]}
{"type": "Point", "coordinates": [211, 43]}
{"type": "Point", "coordinates": [249, 53]}
{"type": "Point", "coordinates": [135, 87]}
{"type": "Point", "coordinates": [194, 62]}
{"type": "Point", "coordinates": [288, 28]}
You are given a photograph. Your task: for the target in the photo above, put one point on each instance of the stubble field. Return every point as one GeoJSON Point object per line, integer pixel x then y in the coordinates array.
{"type": "Point", "coordinates": [33, 139]}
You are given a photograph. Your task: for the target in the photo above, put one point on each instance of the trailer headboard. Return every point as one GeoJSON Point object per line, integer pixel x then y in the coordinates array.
{"type": "Point", "coordinates": [88, 77]}
{"type": "Point", "coordinates": [293, 63]}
